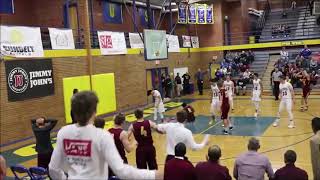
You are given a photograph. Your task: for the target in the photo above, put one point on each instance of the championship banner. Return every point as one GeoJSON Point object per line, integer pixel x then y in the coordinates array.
{"type": "Point", "coordinates": [195, 41]}
{"type": "Point", "coordinates": [61, 38]}
{"type": "Point", "coordinates": [186, 41]}
{"type": "Point", "coordinates": [192, 14]}
{"type": "Point", "coordinates": [182, 13]}
{"type": "Point", "coordinates": [144, 17]}
{"type": "Point", "coordinates": [28, 79]}
{"type": "Point", "coordinates": [173, 43]}
{"type": "Point", "coordinates": [135, 40]}
{"type": "Point", "coordinates": [112, 43]}
{"type": "Point", "coordinates": [6, 7]}
{"type": "Point", "coordinates": [201, 11]}
{"type": "Point", "coordinates": [112, 12]}
{"type": "Point", "coordinates": [209, 14]}
{"type": "Point", "coordinates": [20, 41]}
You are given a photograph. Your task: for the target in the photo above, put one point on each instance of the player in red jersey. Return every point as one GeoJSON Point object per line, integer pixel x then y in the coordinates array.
{"type": "Point", "coordinates": [145, 152]}
{"type": "Point", "coordinates": [305, 90]}
{"type": "Point", "coordinates": [225, 107]}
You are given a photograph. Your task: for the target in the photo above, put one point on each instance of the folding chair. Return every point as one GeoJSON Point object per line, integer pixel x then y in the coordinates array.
{"type": "Point", "coordinates": [20, 172]}
{"type": "Point", "coordinates": [39, 173]}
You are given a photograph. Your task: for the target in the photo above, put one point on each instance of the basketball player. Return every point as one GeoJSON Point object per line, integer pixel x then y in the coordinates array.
{"type": "Point", "coordinates": [305, 90]}
{"type": "Point", "coordinates": [225, 107]}
{"type": "Point", "coordinates": [158, 104]}
{"type": "Point", "coordinates": [256, 93]}
{"type": "Point", "coordinates": [287, 99]}
{"type": "Point", "coordinates": [215, 103]}
{"type": "Point", "coordinates": [145, 152]}
{"type": "Point", "coordinates": [229, 87]}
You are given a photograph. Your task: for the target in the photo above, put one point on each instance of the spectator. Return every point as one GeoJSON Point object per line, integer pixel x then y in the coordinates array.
{"type": "Point", "coordinates": [290, 171]}
{"type": "Point", "coordinates": [186, 83]}
{"type": "Point", "coordinates": [99, 123]}
{"type": "Point", "coordinates": [241, 86]}
{"type": "Point", "coordinates": [41, 128]}
{"type": "Point", "coordinates": [179, 168]}
{"type": "Point", "coordinates": [200, 78]}
{"type": "Point", "coordinates": [3, 168]}
{"type": "Point", "coordinates": [315, 150]}
{"type": "Point", "coordinates": [90, 158]}
{"type": "Point", "coordinates": [250, 56]}
{"type": "Point", "coordinates": [252, 165]}
{"type": "Point", "coordinates": [75, 91]}
{"type": "Point", "coordinates": [179, 84]}
{"type": "Point", "coordinates": [284, 55]}
{"type": "Point", "coordinates": [313, 65]}
{"type": "Point", "coordinates": [311, 3]}
{"type": "Point", "coordinates": [276, 82]}
{"type": "Point", "coordinates": [305, 53]}
{"type": "Point", "coordinates": [293, 5]}
{"type": "Point", "coordinates": [168, 86]}
{"type": "Point", "coordinates": [190, 112]}
{"type": "Point", "coordinates": [211, 169]}
{"type": "Point", "coordinates": [246, 76]}
{"type": "Point", "coordinates": [314, 77]}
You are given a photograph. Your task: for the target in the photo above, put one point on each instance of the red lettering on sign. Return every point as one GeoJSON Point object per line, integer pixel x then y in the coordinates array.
{"type": "Point", "coordinates": [18, 80]}
{"type": "Point", "coordinates": [106, 41]}
{"type": "Point", "coordinates": [77, 147]}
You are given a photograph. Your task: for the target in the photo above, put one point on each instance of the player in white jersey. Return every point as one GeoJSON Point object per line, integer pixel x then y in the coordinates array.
{"type": "Point", "coordinates": [287, 99]}
{"type": "Point", "coordinates": [215, 102]}
{"type": "Point", "coordinates": [256, 93]}
{"type": "Point", "coordinates": [229, 87]}
{"type": "Point", "coordinates": [158, 104]}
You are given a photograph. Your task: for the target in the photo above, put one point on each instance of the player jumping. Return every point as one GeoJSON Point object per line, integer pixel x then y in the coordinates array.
{"type": "Point", "coordinates": [256, 93]}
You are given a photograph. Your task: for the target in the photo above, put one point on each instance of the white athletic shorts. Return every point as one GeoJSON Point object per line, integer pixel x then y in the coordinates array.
{"type": "Point", "coordinates": [215, 105]}
{"type": "Point", "coordinates": [285, 103]}
{"type": "Point", "coordinates": [256, 95]}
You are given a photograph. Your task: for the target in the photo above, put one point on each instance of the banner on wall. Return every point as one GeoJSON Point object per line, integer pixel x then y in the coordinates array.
{"type": "Point", "coordinates": [28, 79]}
{"type": "Point", "coordinates": [112, 43]}
{"type": "Point", "coordinates": [209, 14]}
{"type": "Point", "coordinates": [195, 41]}
{"type": "Point", "coordinates": [6, 7]}
{"type": "Point", "coordinates": [144, 17]}
{"type": "Point", "coordinates": [21, 41]}
{"type": "Point", "coordinates": [186, 41]}
{"type": "Point", "coordinates": [61, 38]}
{"type": "Point", "coordinates": [112, 12]}
{"type": "Point", "coordinates": [135, 40]}
{"type": "Point", "coordinates": [182, 13]}
{"type": "Point", "coordinates": [173, 43]}
{"type": "Point", "coordinates": [201, 11]}
{"type": "Point", "coordinates": [192, 14]}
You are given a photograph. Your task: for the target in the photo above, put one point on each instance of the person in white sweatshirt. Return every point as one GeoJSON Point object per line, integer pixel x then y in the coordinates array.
{"type": "Point", "coordinates": [85, 152]}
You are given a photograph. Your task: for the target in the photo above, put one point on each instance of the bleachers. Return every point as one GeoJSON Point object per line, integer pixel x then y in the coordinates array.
{"type": "Point", "coordinates": [260, 62]}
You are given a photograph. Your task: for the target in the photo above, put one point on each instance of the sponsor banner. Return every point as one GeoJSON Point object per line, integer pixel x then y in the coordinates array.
{"type": "Point", "coordinates": [186, 41]}
{"type": "Point", "coordinates": [192, 14]}
{"type": "Point", "coordinates": [195, 41]}
{"type": "Point", "coordinates": [135, 40]}
{"type": "Point", "coordinates": [6, 7]}
{"type": "Point", "coordinates": [112, 12]}
{"type": "Point", "coordinates": [201, 11]}
{"type": "Point", "coordinates": [173, 43]}
{"type": "Point", "coordinates": [143, 14]}
{"type": "Point", "coordinates": [112, 43]}
{"type": "Point", "coordinates": [209, 15]}
{"type": "Point", "coordinates": [61, 38]}
{"type": "Point", "coordinates": [20, 41]}
{"type": "Point", "coordinates": [182, 13]}
{"type": "Point", "coordinates": [28, 79]}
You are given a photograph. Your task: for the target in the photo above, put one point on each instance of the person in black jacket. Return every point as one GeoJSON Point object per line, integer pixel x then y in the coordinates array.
{"type": "Point", "coordinates": [75, 91]}
{"type": "Point", "coordinates": [41, 129]}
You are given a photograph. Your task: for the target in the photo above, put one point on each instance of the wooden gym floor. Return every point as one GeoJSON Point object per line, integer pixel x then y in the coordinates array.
{"type": "Point", "coordinates": [274, 140]}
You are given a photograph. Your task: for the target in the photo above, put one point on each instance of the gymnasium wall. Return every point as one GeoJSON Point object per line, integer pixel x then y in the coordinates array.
{"type": "Point", "coordinates": [130, 80]}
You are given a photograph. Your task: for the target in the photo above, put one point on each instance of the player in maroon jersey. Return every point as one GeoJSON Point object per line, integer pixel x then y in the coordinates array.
{"type": "Point", "coordinates": [305, 90]}
{"type": "Point", "coordinates": [225, 107]}
{"type": "Point", "coordinates": [145, 152]}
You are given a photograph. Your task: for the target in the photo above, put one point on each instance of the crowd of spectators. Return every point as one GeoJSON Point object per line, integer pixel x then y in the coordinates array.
{"type": "Point", "coordinates": [280, 30]}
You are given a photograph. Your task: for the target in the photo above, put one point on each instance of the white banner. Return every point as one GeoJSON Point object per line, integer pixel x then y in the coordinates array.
{"type": "Point", "coordinates": [173, 43]}
{"type": "Point", "coordinates": [181, 71]}
{"type": "Point", "coordinates": [195, 41]}
{"type": "Point", "coordinates": [186, 41]}
{"type": "Point", "coordinates": [61, 38]}
{"type": "Point", "coordinates": [112, 43]}
{"type": "Point", "coordinates": [135, 40]}
{"type": "Point", "coordinates": [20, 41]}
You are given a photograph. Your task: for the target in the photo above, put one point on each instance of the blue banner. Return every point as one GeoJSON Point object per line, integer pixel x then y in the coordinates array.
{"type": "Point", "coordinates": [201, 10]}
{"type": "Point", "coordinates": [144, 17]}
{"type": "Point", "coordinates": [182, 11]}
{"type": "Point", "coordinates": [192, 15]}
{"type": "Point", "coordinates": [6, 7]}
{"type": "Point", "coordinates": [209, 15]}
{"type": "Point", "coordinates": [112, 12]}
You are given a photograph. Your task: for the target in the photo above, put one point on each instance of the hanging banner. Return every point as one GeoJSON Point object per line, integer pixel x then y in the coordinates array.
{"type": "Point", "coordinates": [20, 41]}
{"type": "Point", "coordinates": [144, 17]}
{"type": "Point", "coordinates": [192, 14]}
{"type": "Point", "coordinates": [28, 79]}
{"type": "Point", "coordinates": [201, 11]}
{"type": "Point", "coordinates": [135, 40]}
{"type": "Point", "coordinates": [61, 38]}
{"type": "Point", "coordinates": [182, 13]}
{"type": "Point", "coordinates": [112, 12]}
{"type": "Point", "coordinates": [112, 43]}
{"type": "Point", "coordinates": [195, 41]}
{"type": "Point", "coordinates": [6, 7]}
{"type": "Point", "coordinates": [209, 15]}
{"type": "Point", "coordinates": [173, 43]}
{"type": "Point", "coordinates": [186, 41]}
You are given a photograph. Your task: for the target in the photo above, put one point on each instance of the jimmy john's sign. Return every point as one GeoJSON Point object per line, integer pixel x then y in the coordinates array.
{"type": "Point", "coordinates": [29, 79]}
